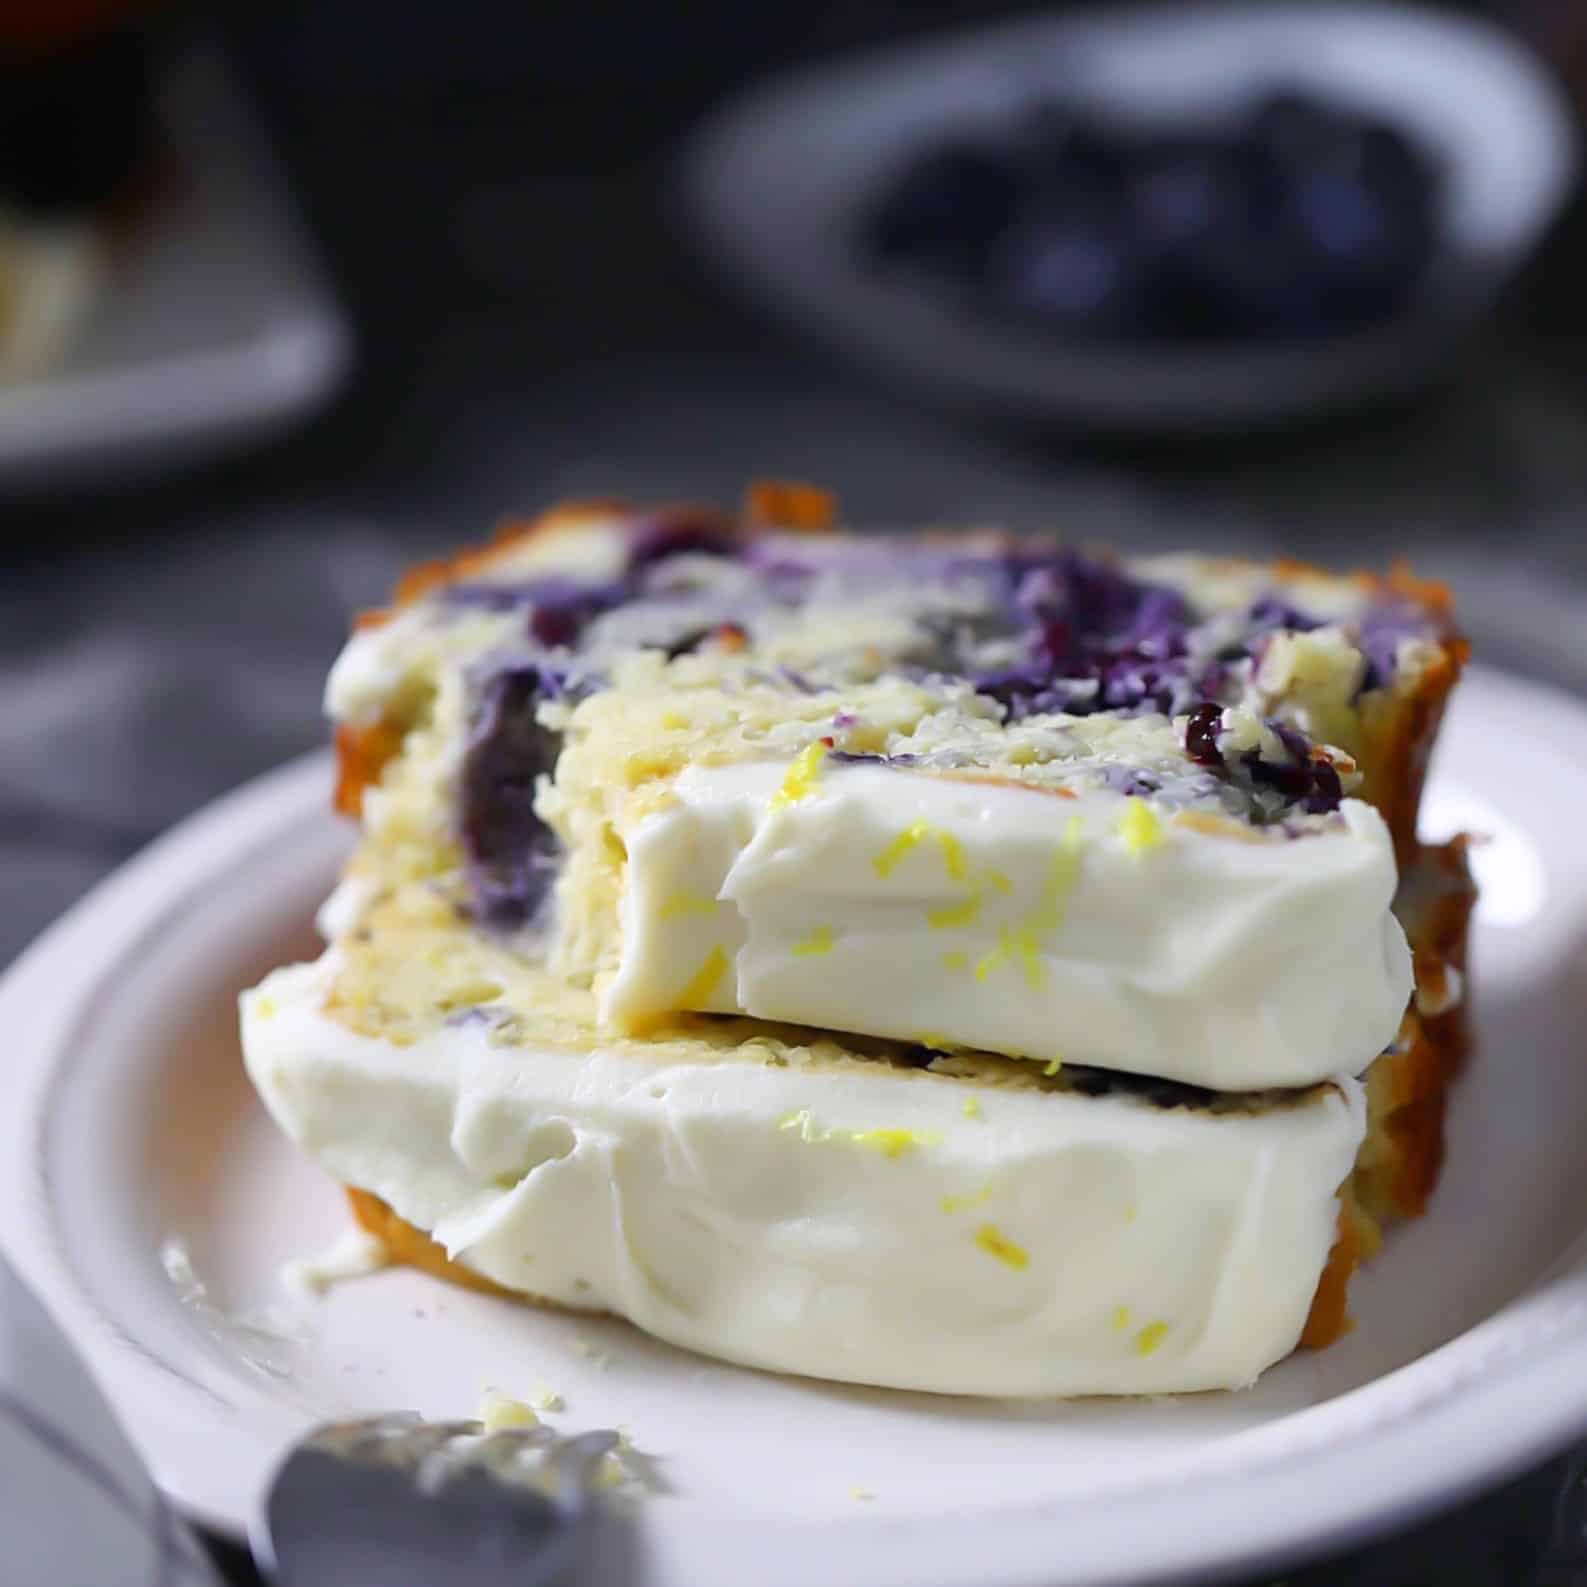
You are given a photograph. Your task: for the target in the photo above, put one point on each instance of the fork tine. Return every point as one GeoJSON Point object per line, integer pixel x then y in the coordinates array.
{"type": "Point", "coordinates": [575, 1461]}
{"type": "Point", "coordinates": [341, 1438]}
{"type": "Point", "coordinates": [406, 1444]}
{"type": "Point", "coordinates": [448, 1496]}
{"type": "Point", "coordinates": [500, 1452]}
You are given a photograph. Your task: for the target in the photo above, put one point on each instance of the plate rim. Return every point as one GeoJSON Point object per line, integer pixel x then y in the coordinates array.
{"type": "Point", "coordinates": [1464, 1416]}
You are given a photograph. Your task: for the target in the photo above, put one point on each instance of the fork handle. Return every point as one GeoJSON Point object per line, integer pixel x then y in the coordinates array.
{"type": "Point", "coordinates": [1563, 1562]}
{"type": "Point", "coordinates": [358, 1525]}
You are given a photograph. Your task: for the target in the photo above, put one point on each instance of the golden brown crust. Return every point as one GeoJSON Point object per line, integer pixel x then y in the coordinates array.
{"type": "Point", "coordinates": [1400, 744]}
{"type": "Point", "coordinates": [412, 1247]}
{"type": "Point", "coordinates": [1415, 1082]}
{"type": "Point", "coordinates": [1407, 1089]}
{"type": "Point", "coordinates": [788, 504]}
{"type": "Point", "coordinates": [361, 756]}
{"type": "Point", "coordinates": [420, 579]}
{"type": "Point", "coordinates": [1328, 1320]}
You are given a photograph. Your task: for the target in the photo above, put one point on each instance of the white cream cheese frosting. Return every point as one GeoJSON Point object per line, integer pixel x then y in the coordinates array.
{"type": "Point", "coordinates": [958, 912]}
{"type": "Point", "coordinates": [849, 1221]}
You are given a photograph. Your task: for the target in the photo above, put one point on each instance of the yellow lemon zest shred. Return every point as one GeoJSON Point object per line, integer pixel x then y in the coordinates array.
{"type": "Point", "coordinates": [974, 1199]}
{"type": "Point", "coordinates": [800, 1121]}
{"type": "Point", "coordinates": [995, 1243]}
{"type": "Point", "coordinates": [1121, 1318]}
{"type": "Point", "coordinates": [1138, 827]}
{"type": "Point", "coordinates": [961, 914]}
{"type": "Point", "coordinates": [952, 856]}
{"type": "Point", "coordinates": [802, 776]}
{"type": "Point", "coordinates": [889, 1142]}
{"type": "Point", "coordinates": [971, 1108]}
{"type": "Point", "coordinates": [1021, 943]}
{"type": "Point", "coordinates": [675, 904]}
{"type": "Point", "coordinates": [887, 861]}
{"type": "Point", "coordinates": [705, 978]}
{"type": "Point", "coordinates": [1066, 862]}
{"type": "Point", "coordinates": [954, 960]}
{"type": "Point", "coordinates": [1149, 1338]}
{"type": "Point", "coordinates": [1030, 964]}
{"type": "Point", "coordinates": [894, 1143]}
{"type": "Point", "coordinates": [818, 942]}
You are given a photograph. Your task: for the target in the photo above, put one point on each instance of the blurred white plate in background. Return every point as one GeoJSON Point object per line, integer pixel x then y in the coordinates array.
{"type": "Point", "coordinates": [216, 327]}
{"type": "Point", "coordinates": [146, 1196]}
{"type": "Point", "coordinates": [777, 181]}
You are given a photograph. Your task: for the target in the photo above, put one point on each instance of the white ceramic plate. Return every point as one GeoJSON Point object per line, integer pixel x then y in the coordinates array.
{"type": "Point", "coordinates": [126, 1123]}
{"type": "Point", "coordinates": [217, 328]}
{"type": "Point", "coordinates": [777, 180]}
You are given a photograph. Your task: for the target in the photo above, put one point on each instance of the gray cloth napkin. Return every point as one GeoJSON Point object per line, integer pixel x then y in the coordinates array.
{"type": "Point", "coordinates": [166, 676]}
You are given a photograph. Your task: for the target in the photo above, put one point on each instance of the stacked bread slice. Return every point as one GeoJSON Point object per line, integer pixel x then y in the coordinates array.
{"type": "Point", "coordinates": [943, 961]}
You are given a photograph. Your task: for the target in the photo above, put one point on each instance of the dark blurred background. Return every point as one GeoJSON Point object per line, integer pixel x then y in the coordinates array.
{"type": "Point", "coordinates": [490, 190]}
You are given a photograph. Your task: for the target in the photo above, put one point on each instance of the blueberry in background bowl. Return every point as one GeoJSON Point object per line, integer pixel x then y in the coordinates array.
{"type": "Point", "coordinates": [946, 209]}
{"type": "Point", "coordinates": [1297, 220]}
{"type": "Point", "coordinates": [1072, 267]}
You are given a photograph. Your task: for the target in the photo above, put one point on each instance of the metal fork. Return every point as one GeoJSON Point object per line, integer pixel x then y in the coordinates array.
{"type": "Point", "coordinates": [1563, 1560]}
{"type": "Point", "coordinates": [393, 1501]}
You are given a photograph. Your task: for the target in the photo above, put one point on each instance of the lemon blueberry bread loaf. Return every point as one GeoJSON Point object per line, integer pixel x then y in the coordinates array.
{"type": "Point", "coordinates": [944, 961]}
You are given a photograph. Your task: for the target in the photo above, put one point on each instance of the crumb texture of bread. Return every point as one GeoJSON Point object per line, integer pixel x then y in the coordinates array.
{"type": "Point", "coordinates": [414, 1248]}
{"type": "Point", "coordinates": [1388, 728]}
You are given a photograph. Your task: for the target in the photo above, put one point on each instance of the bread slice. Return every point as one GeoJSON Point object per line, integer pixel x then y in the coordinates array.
{"type": "Point", "coordinates": [1401, 1155]}
{"type": "Point", "coordinates": [695, 765]}
{"type": "Point", "coordinates": [770, 1196]}
{"type": "Point", "coordinates": [715, 1180]}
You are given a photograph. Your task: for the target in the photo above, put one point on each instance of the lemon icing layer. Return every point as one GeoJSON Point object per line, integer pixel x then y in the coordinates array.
{"type": "Point", "coordinates": [1090, 929]}
{"type": "Point", "coordinates": [845, 1220]}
